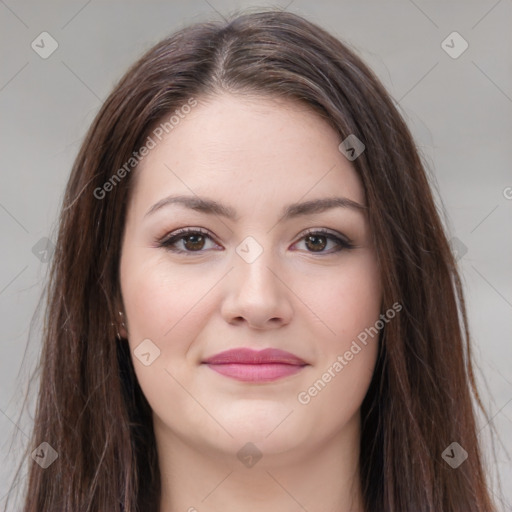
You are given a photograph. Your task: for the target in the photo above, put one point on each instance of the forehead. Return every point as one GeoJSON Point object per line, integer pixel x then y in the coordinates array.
{"type": "Point", "coordinates": [251, 149]}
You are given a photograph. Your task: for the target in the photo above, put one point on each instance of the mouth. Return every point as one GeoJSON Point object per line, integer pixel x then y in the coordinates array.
{"type": "Point", "coordinates": [255, 366]}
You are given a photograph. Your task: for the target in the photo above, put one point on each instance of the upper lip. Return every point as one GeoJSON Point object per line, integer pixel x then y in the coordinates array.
{"type": "Point", "coordinates": [249, 356]}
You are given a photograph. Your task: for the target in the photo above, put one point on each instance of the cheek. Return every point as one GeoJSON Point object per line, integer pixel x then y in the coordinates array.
{"type": "Point", "coordinates": [334, 395]}
{"type": "Point", "coordinates": [169, 306]}
{"type": "Point", "coordinates": [159, 300]}
{"type": "Point", "coordinates": [346, 299]}
{"type": "Point", "coordinates": [349, 305]}
{"type": "Point", "coordinates": [161, 306]}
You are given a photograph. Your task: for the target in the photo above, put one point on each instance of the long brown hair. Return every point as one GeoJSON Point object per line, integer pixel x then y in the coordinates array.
{"type": "Point", "coordinates": [90, 407]}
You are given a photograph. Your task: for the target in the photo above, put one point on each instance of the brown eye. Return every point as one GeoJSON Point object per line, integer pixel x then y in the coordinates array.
{"type": "Point", "coordinates": [193, 242]}
{"type": "Point", "coordinates": [316, 243]}
{"type": "Point", "coordinates": [190, 241]}
{"type": "Point", "coordinates": [187, 241]}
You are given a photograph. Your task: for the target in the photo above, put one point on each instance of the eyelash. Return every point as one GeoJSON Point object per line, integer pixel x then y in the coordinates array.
{"type": "Point", "coordinates": [168, 241]}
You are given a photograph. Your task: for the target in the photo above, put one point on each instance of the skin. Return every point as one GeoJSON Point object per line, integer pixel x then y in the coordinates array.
{"type": "Point", "coordinates": [255, 155]}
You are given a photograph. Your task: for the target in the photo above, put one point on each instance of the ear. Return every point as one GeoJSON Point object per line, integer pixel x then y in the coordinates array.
{"type": "Point", "coordinates": [122, 325]}
{"type": "Point", "coordinates": [120, 318]}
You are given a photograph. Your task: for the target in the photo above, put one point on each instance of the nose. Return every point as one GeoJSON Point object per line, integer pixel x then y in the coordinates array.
{"type": "Point", "coordinates": [257, 294]}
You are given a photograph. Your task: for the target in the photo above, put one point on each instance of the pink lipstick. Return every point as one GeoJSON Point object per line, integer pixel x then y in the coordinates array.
{"type": "Point", "coordinates": [257, 366]}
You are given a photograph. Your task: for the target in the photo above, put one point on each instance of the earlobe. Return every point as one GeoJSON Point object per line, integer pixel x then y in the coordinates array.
{"type": "Point", "coordinates": [120, 318]}
{"type": "Point", "coordinates": [122, 330]}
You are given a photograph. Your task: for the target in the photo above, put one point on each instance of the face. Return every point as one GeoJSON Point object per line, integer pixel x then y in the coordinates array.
{"type": "Point", "coordinates": [246, 275]}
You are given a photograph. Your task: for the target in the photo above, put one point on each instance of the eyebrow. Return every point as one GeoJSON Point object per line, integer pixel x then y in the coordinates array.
{"type": "Point", "coordinates": [211, 207]}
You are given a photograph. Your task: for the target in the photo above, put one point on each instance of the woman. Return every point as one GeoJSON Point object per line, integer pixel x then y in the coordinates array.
{"type": "Point", "coordinates": [252, 301]}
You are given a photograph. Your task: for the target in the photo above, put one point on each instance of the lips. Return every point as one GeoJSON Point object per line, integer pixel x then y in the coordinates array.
{"type": "Point", "coordinates": [257, 366]}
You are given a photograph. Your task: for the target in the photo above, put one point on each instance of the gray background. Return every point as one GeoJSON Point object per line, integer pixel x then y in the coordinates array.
{"type": "Point", "coordinates": [459, 110]}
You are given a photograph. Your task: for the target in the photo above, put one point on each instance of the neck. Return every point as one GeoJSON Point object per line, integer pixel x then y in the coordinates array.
{"type": "Point", "coordinates": [315, 478]}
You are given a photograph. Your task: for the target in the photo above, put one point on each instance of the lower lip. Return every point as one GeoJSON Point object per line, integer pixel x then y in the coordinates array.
{"type": "Point", "coordinates": [256, 372]}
